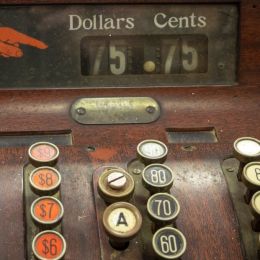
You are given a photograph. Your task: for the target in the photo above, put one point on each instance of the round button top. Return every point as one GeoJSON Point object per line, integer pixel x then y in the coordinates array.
{"type": "Point", "coordinates": [255, 204]}
{"type": "Point", "coordinates": [152, 151]}
{"type": "Point", "coordinates": [247, 149]}
{"type": "Point", "coordinates": [116, 180]}
{"type": "Point", "coordinates": [115, 185]}
{"type": "Point", "coordinates": [169, 243]}
{"type": "Point", "coordinates": [157, 177]}
{"type": "Point", "coordinates": [45, 179]}
{"type": "Point", "coordinates": [43, 153]}
{"type": "Point", "coordinates": [47, 210]}
{"type": "Point", "coordinates": [122, 221]}
{"type": "Point", "coordinates": [163, 207]}
{"type": "Point", "coordinates": [49, 245]}
{"type": "Point", "coordinates": [251, 175]}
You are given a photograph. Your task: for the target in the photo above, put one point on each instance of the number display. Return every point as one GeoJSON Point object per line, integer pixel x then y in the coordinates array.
{"type": "Point", "coordinates": [49, 245]}
{"type": "Point", "coordinates": [47, 210]}
{"type": "Point", "coordinates": [108, 45]}
{"type": "Point", "coordinates": [128, 55]}
{"type": "Point", "coordinates": [190, 60]}
{"type": "Point", "coordinates": [169, 59]}
{"type": "Point", "coordinates": [117, 55]}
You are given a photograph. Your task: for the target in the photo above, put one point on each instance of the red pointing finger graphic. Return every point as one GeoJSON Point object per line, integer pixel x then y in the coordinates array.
{"type": "Point", "coordinates": [10, 40]}
{"type": "Point", "coordinates": [7, 50]}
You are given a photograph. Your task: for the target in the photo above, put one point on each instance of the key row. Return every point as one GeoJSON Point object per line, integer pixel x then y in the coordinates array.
{"type": "Point", "coordinates": [46, 210]}
{"type": "Point", "coordinates": [122, 220]}
{"type": "Point", "coordinates": [247, 151]}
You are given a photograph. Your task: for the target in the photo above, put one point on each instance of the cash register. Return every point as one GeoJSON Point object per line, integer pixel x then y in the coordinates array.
{"type": "Point", "coordinates": [129, 129]}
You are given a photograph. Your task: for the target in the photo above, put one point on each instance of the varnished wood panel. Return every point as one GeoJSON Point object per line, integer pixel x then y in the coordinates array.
{"type": "Point", "coordinates": [249, 43]}
{"type": "Point", "coordinates": [232, 111]}
{"type": "Point", "coordinates": [11, 204]}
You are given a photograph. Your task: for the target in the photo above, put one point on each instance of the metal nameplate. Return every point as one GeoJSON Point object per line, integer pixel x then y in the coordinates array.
{"type": "Point", "coordinates": [115, 110]}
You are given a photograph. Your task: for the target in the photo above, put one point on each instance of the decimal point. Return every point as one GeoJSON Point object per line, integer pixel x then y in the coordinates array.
{"type": "Point", "coordinates": [149, 66]}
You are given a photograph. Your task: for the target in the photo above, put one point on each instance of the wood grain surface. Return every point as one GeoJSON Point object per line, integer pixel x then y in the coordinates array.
{"type": "Point", "coordinates": [207, 217]}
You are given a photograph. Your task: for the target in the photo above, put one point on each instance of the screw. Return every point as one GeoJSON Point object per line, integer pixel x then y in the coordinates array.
{"type": "Point", "coordinates": [91, 149]}
{"type": "Point", "coordinates": [188, 148]}
{"type": "Point", "coordinates": [230, 169]}
{"type": "Point", "coordinates": [150, 109]}
{"type": "Point", "coordinates": [136, 171]}
{"type": "Point", "coordinates": [116, 180]}
{"type": "Point", "coordinates": [221, 65]}
{"type": "Point", "coordinates": [81, 111]}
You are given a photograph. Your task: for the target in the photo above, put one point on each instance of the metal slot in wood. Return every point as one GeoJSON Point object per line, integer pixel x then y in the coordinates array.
{"type": "Point", "coordinates": [27, 139]}
{"type": "Point", "coordinates": [201, 135]}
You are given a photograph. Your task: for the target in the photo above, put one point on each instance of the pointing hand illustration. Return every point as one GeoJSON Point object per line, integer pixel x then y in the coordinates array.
{"type": "Point", "coordinates": [11, 39]}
